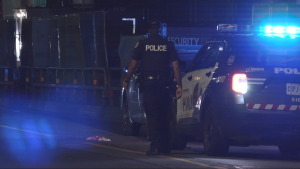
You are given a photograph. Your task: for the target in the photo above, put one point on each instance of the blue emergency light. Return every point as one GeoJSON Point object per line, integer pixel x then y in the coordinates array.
{"type": "Point", "coordinates": [267, 30]}
{"type": "Point", "coordinates": [280, 31]}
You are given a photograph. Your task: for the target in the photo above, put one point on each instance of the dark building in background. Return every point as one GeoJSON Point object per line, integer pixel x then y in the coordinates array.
{"type": "Point", "coordinates": [54, 3]}
{"type": "Point", "coordinates": [173, 12]}
{"type": "Point", "coordinates": [188, 12]}
{"type": "Point", "coordinates": [59, 3]}
{"type": "Point", "coordinates": [1, 9]}
{"type": "Point", "coordinates": [184, 18]}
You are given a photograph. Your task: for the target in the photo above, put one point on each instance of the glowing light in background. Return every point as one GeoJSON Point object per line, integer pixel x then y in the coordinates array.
{"type": "Point", "coordinates": [279, 29]}
{"type": "Point", "coordinates": [34, 140]}
{"type": "Point", "coordinates": [292, 30]}
{"type": "Point", "coordinates": [45, 128]}
{"type": "Point", "coordinates": [19, 15]}
{"type": "Point", "coordinates": [14, 143]}
{"type": "Point", "coordinates": [133, 23]}
{"type": "Point", "coordinates": [268, 29]}
{"type": "Point", "coordinates": [28, 140]}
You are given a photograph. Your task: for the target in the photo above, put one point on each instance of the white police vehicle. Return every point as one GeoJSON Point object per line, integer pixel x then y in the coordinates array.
{"type": "Point", "coordinates": [243, 89]}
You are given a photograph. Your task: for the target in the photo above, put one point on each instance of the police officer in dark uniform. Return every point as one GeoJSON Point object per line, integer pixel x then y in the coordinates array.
{"type": "Point", "coordinates": [155, 55]}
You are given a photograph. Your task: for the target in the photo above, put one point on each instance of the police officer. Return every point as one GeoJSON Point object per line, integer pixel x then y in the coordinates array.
{"type": "Point", "coordinates": [155, 55]}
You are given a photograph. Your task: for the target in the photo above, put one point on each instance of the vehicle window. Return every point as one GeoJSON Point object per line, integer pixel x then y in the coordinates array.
{"type": "Point", "coordinates": [199, 57]}
{"type": "Point", "coordinates": [211, 56]}
{"type": "Point", "coordinates": [207, 56]}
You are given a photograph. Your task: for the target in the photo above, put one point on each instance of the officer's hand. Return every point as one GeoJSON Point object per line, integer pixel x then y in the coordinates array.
{"type": "Point", "coordinates": [125, 85]}
{"type": "Point", "coordinates": [178, 93]}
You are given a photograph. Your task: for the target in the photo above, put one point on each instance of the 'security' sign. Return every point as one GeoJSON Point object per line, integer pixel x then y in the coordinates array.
{"type": "Point", "coordinates": [184, 41]}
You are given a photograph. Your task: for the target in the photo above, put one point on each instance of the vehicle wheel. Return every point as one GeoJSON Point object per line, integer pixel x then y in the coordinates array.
{"type": "Point", "coordinates": [214, 143]}
{"type": "Point", "coordinates": [129, 129]}
{"type": "Point", "coordinates": [289, 149]}
{"type": "Point", "coordinates": [178, 142]}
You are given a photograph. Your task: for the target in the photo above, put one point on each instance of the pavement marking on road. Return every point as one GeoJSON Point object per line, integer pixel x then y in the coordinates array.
{"type": "Point", "coordinates": [48, 135]}
{"type": "Point", "coordinates": [173, 158]}
{"type": "Point", "coordinates": [114, 148]}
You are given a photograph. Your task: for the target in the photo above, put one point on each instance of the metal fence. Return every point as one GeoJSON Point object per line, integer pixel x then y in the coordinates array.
{"type": "Point", "coordinates": [83, 86]}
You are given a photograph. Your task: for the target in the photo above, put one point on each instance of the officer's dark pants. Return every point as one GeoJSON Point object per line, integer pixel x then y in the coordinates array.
{"type": "Point", "coordinates": [156, 103]}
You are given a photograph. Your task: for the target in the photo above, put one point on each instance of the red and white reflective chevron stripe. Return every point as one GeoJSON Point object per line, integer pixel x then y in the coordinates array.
{"type": "Point", "coordinates": [273, 107]}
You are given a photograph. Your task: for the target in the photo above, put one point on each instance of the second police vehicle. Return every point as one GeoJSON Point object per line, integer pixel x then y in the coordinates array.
{"type": "Point", "coordinates": [242, 88]}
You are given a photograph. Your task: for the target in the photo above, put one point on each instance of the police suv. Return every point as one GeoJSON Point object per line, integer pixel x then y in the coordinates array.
{"type": "Point", "coordinates": [243, 88]}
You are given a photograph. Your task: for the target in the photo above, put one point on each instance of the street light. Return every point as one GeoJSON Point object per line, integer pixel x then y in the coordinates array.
{"type": "Point", "coordinates": [19, 15]}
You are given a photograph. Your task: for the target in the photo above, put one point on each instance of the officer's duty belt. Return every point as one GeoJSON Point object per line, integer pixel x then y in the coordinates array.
{"type": "Point", "coordinates": [155, 77]}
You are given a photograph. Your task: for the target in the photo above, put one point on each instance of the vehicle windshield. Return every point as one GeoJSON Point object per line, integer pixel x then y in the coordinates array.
{"type": "Point", "coordinates": [265, 52]}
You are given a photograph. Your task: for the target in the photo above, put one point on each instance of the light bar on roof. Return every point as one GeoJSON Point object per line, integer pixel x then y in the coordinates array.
{"type": "Point", "coordinates": [234, 28]}
{"type": "Point", "coordinates": [227, 28]}
{"type": "Point", "coordinates": [292, 30]}
{"type": "Point", "coordinates": [279, 30]}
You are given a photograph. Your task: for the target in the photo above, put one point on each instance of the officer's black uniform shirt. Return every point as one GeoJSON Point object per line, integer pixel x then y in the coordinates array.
{"type": "Point", "coordinates": [155, 55]}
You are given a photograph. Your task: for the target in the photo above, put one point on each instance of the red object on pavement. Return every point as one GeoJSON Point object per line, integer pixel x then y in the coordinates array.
{"type": "Point", "coordinates": [98, 138]}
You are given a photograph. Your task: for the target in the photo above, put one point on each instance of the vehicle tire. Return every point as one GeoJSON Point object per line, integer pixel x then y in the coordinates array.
{"type": "Point", "coordinates": [129, 129]}
{"type": "Point", "coordinates": [178, 142]}
{"type": "Point", "coordinates": [290, 150]}
{"type": "Point", "coordinates": [214, 143]}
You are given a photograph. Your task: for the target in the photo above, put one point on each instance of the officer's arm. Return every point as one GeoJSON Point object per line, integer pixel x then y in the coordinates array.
{"type": "Point", "coordinates": [176, 68]}
{"type": "Point", "coordinates": [136, 57]}
{"type": "Point", "coordinates": [132, 66]}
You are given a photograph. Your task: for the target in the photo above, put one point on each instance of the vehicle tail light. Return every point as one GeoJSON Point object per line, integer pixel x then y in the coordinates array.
{"type": "Point", "coordinates": [239, 83]}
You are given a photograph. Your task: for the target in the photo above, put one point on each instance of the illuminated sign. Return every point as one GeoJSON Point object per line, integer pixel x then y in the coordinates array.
{"type": "Point", "coordinates": [184, 41]}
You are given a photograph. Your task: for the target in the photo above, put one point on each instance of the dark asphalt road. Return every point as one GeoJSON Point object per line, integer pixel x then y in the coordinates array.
{"type": "Point", "coordinates": [46, 141]}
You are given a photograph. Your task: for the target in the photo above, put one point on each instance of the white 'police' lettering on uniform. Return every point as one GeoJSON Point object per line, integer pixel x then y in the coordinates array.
{"type": "Point", "coordinates": [156, 48]}
{"type": "Point", "coordinates": [287, 71]}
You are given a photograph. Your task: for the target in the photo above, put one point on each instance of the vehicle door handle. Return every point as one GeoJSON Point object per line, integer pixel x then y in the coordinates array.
{"type": "Point", "coordinates": [190, 78]}
{"type": "Point", "coordinates": [208, 74]}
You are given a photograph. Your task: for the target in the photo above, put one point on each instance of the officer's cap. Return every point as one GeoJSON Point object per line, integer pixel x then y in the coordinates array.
{"type": "Point", "coordinates": [154, 24]}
